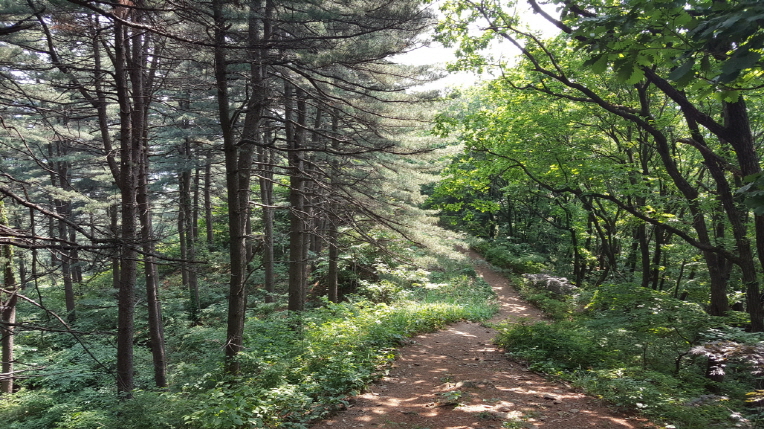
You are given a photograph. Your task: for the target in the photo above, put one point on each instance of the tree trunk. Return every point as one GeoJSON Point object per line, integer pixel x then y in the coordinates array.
{"type": "Point", "coordinates": [195, 207]}
{"type": "Point", "coordinates": [182, 242]}
{"type": "Point", "coordinates": [75, 257]}
{"type": "Point", "coordinates": [59, 177]}
{"type": "Point", "coordinates": [7, 311]}
{"type": "Point", "coordinates": [296, 204]}
{"type": "Point", "coordinates": [740, 137]}
{"type": "Point", "coordinates": [332, 281]}
{"type": "Point", "coordinates": [154, 304]}
{"type": "Point", "coordinates": [114, 229]}
{"type": "Point", "coordinates": [236, 213]}
{"type": "Point", "coordinates": [66, 274]}
{"type": "Point", "coordinates": [186, 233]}
{"type": "Point", "coordinates": [333, 272]}
{"type": "Point", "coordinates": [238, 162]}
{"type": "Point", "coordinates": [156, 325]}
{"type": "Point", "coordinates": [659, 235]}
{"type": "Point", "coordinates": [718, 286]}
{"type": "Point", "coordinates": [133, 78]}
{"type": "Point", "coordinates": [208, 201]}
{"type": "Point", "coordinates": [129, 160]}
{"type": "Point", "coordinates": [266, 160]}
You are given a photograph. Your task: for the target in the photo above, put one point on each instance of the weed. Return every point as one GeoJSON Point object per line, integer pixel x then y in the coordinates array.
{"type": "Point", "coordinates": [450, 398]}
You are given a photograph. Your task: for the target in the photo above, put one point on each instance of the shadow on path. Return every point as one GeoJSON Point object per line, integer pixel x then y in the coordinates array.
{"type": "Point", "coordinates": [457, 379]}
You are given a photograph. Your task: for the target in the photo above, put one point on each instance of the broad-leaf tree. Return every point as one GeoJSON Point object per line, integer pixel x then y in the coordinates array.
{"type": "Point", "coordinates": [650, 49]}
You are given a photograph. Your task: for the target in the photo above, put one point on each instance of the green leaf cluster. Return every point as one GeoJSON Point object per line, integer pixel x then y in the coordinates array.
{"type": "Point", "coordinates": [632, 346]}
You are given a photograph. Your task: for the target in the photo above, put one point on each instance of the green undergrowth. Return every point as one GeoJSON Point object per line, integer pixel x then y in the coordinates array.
{"type": "Point", "coordinates": [639, 350]}
{"type": "Point", "coordinates": [507, 255]}
{"type": "Point", "coordinates": [557, 308]}
{"type": "Point", "coordinates": [294, 368]}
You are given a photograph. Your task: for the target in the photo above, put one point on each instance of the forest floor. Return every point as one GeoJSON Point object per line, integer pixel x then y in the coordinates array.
{"type": "Point", "coordinates": [458, 379]}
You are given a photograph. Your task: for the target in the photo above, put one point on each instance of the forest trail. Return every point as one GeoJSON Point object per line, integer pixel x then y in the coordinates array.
{"type": "Point", "coordinates": [457, 379]}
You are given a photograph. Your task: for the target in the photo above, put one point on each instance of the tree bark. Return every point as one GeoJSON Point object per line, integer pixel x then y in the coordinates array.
{"type": "Point", "coordinates": [154, 304]}
{"type": "Point", "coordinates": [208, 201]}
{"type": "Point", "coordinates": [296, 202]}
{"type": "Point", "coordinates": [59, 177]}
{"type": "Point", "coordinates": [7, 312]}
{"type": "Point", "coordinates": [114, 230]}
{"type": "Point", "coordinates": [266, 160]}
{"type": "Point", "coordinates": [740, 137]}
{"type": "Point", "coordinates": [186, 233]}
{"type": "Point", "coordinates": [236, 213]}
{"type": "Point", "coordinates": [129, 160]}
{"type": "Point", "coordinates": [332, 281]}
{"type": "Point", "coordinates": [238, 160]}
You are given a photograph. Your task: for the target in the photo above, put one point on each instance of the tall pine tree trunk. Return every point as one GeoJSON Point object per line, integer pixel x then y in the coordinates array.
{"type": "Point", "coordinates": [238, 162]}
{"type": "Point", "coordinates": [8, 301]}
{"type": "Point", "coordinates": [332, 282]}
{"type": "Point", "coordinates": [296, 200]}
{"type": "Point", "coordinates": [266, 160]}
{"type": "Point", "coordinates": [59, 177]}
{"type": "Point", "coordinates": [236, 213]}
{"type": "Point", "coordinates": [154, 304]}
{"type": "Point", "coordinates": [208, 201]}
{"type": "Point", "coordinates": [186, 232]}
{"type": "Point", "coordinates": [128, 184]}
{"type": "Point", "coordinates": [114, 230]}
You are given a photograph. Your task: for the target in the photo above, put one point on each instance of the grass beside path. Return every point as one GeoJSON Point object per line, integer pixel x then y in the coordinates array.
{"type": "Point", "coordinates": [294, 368]}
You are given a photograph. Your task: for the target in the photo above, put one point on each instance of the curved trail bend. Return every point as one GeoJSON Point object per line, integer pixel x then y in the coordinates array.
{"type": "Point", "coordinates": [457, 379]}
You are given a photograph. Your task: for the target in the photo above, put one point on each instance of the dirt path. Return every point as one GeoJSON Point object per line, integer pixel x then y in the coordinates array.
{"type": "Point", "coordinates": [457, 379]}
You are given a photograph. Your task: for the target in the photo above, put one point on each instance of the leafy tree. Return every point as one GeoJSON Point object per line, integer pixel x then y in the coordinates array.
{"type": "Point", "coordinates": [644, 80]}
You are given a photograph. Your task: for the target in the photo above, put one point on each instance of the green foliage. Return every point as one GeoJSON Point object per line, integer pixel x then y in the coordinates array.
{"type": "Point", "coordinates": [554, 307]}
{"type": "Point", "coordinates": [753, 193]}
{"type": "Point", "coordinates": [294, 368]}
{"type": "Point", "coordinates": [664, 326]}
{"type": "Point", "coordinates": [711, 45]}
{"type": "Point", "coordinates": [466, 197]}
{"type": "Point", "coordinates": [244, 405]}
{"type": "Point", "coordinates": [93, 409]}
{"type": "Point", "coordinates": [633, 347]}
{"type": "Point", "coordinates": [294, 375]}
{"type": "Point", "coordinates": [555, 347]}
{"type": "Point", "coordinates": [507, 255]}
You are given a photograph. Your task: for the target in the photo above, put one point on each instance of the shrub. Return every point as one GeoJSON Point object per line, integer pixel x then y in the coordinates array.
{"type": "Point", "coordinates": [632, 347]}
{"type": "Point", "coordinates": [515, 257]}
{"type": "Point", "coordinates": [557, 346]}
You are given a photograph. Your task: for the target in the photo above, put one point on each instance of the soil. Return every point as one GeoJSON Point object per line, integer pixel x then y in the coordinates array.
{"type": "Point", "coordinates": [458, 379]}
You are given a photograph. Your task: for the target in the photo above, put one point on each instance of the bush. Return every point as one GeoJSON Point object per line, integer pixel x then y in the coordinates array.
{"type": "Point", "coordinates": [632, 346]}
{"type": "Point", "coordinates": [554, 347]}
{"type": "Point", "coordinates": [515, 257]}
